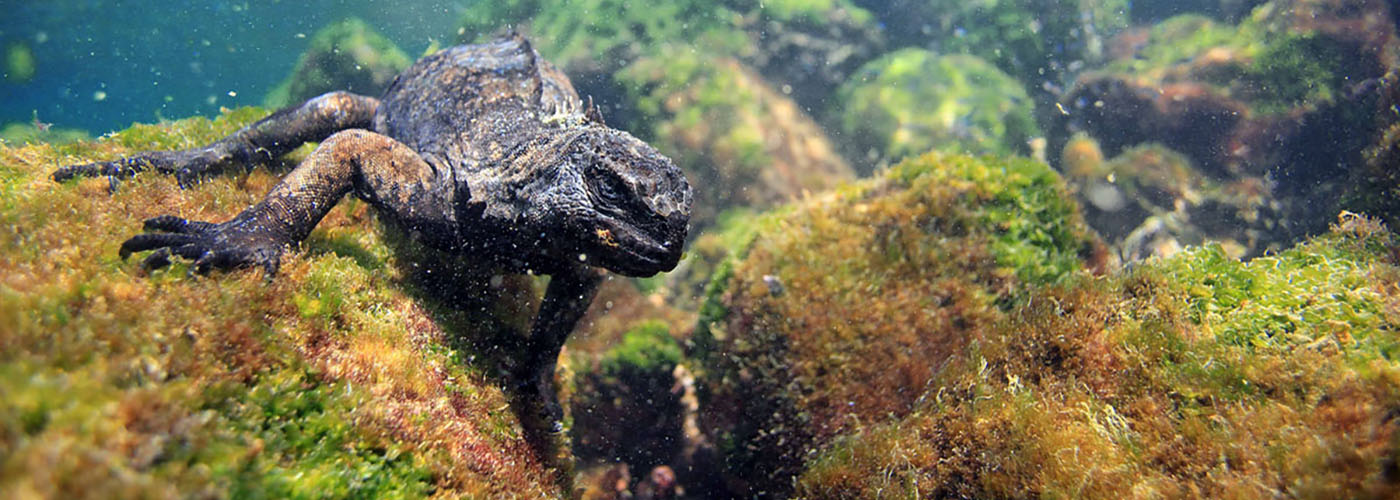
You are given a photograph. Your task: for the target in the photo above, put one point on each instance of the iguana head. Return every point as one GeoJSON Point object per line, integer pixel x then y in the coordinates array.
{"type": "Point", "coordinates": [610, 200]}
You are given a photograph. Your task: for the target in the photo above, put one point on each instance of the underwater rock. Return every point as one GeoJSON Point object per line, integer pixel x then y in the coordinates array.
{"type": "Point", "coordinates": [1277, 103]}
{"type": "Point", "coordinates": [18, 134]}
{"type": "Point", "coordinates": [349, 55]}
{"type": "Point", "coordinates": [913, 100]}
{"type": "Point", "coordinates": [806, 48]}
{"type": "Point", "coordinates": [1041, 43]}
{"type": "Point", "coordinates": [878, 283]}
{"type": "Point", "coordinates": [19, 65]}
{"type": "Point", "coordinates": [623, 406]}
{"type": "Point", "coordinates": [1226, 10]}
{"type": "Point", "coordinates": [345, 377]}
{"type": "Point", "coordinates": [1152, 201]}
{"type": "Point", "coordinates": [1377, 187]}
{"type": "Point", "coordinates": [742, 143]}
{"type": "Point", "coordinates": [1196, 376]}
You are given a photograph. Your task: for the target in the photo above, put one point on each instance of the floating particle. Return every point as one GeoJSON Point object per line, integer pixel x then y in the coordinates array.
{"type": "Point", "coordinates": [19, 63]}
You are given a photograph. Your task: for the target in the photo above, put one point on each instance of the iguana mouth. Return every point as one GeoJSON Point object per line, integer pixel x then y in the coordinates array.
{"type": "Point", "coordinates": [628, 250]}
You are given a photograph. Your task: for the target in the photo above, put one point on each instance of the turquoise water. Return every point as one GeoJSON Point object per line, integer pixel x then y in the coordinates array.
{"type": "Point", "coordinates": [102, 65]}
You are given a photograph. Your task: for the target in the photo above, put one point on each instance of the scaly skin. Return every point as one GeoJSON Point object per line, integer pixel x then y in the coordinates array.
{"type": "Point", "coordinates": [484, 150]}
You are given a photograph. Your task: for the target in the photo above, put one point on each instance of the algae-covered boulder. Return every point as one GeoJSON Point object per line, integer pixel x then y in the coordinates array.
{"type": "Point", "coordinates": [805, 46]}
{"type": "Point", "coordinates": [1152, 201]}
{"type": "Point", "coordinates": [342, 377]}
{"type": "Point", "coordinates": [1041, 43]}
{"type": "Point", "coordinates": [1378, 183]}
{"type": "Point", "coordinates": [913, 100]}
{"type": "Point", "coordinates": [1281, 100]}
{"type": "Point", "coordinates": [623, 407]}
{"type": "Point", "coordinates": [348, 55]}
{"type": "Point", "coordinates": [845, 306]}
{"type": "Point", "coordinates": [1197, 376]}
{"type": "Point", "coordinates": [742, 143]}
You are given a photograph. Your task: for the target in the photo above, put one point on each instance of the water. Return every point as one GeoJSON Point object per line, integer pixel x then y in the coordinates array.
{"type": "Point", "coordinates": [103, 65]}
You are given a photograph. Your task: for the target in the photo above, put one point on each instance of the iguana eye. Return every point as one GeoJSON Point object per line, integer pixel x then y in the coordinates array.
{"type": "Point", "coordinates": [610, 190]}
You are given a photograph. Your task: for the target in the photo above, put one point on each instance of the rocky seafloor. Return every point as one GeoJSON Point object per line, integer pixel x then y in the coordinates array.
{"type": "Point", "coordinates": [1033, 248]}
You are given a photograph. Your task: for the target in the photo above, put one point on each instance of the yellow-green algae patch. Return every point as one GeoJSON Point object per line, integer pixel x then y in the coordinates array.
{"type": "Point", "coordinates": [846, 305]}
{"type": "Point", "coordinates": [332, 380]}
{"type": "Point", "coordinates": [1197, 376]}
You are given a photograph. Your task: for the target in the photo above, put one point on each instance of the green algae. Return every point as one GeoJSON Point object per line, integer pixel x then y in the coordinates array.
{"type": "Point", "coordinates": [1197, 375]}
{"type": "Point", "coordinates": [648, 347]}
{"type": "Point", "coordinates": [912, 100]}
{"type": "Point", "coordinates": [332, 380]}
{"type": "Point", "coordinates": [27, 133]}
{"type": "Point", "coordinates": [1272, 68]}
{"type": "Point", "coordinates": [742, 143]}
{"type": "Point", "coordinates": [839, 310]}
{"type": "Point", "coordinates": [631, 382]}
{"type": "Point", "coordinates": [604, 35]}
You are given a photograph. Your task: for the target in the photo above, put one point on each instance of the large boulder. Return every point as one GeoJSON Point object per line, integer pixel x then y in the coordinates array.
{"type": "Point", "coordinates": [913, 100]}
{"type": "Point", "coordinates": [845, 306]}
{"type": "Point", "coordinates": [741, 142]}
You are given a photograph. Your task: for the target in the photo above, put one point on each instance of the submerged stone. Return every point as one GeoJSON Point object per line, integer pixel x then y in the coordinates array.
{"type": "Point", "coordinates": [743, 143]}
{"type": "Point", "coordinates": [878, 284]}
{"type": "Point", "coordinates": [913, 100]}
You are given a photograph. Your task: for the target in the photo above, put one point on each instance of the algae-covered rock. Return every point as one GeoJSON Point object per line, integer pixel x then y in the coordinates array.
{"type": "Point", "coordinates": [1377, 189]}
{"type": "Point", "coordinates": [1195, 376]}
{"type": "Point", "coordinates": [1279, 103]}
{"type": "Point", "coordinates": [1229, 10]}
{"type": "Point", "coordinates": [348, 55]}
{"type": "Point", "coordinates": [623, 407]}
{"type": "Point", "coordinates": [806, 46]}
{"type": "Point", "coordinates": [344, 376]}
{"type": "Point", "coordinates": [1152, 201]}
{"type": "Point", "coordinates": [845, 306]}
{"type": "Point", "coordinates": [913, 100]}
{"type": "Point", "coordinates": [742, 143]}
{"type": "Point", "coordinates": [1041, 43]}
{"type": "Point", "coordinates": [17, 134]}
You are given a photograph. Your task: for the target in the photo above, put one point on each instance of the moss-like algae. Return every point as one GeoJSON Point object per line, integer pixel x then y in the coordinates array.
{"type": "Point", "coordinates": [631, 383]}
{"type": "Point", "coordinates": [742, 143]}
{"type": "Point", "coordinates": [1195, 376]}
{"type": "Point", "coordinates": [335, 379]}
{"type": "Point", "coordinates": [912, 100]}
{"type": "Point", "coordinates": [842, 310]}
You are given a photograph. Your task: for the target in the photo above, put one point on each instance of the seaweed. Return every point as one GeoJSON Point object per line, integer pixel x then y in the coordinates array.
{"type": "Point", "coordinates": [1197, 375]}
{"type": "Point", "coordinates": [331, 380]}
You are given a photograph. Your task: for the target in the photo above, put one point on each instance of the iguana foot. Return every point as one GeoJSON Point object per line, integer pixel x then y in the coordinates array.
{"type": "Point", "coordinates": [188, 166]}
{"type": "Point", "coordinates": [240, 242]}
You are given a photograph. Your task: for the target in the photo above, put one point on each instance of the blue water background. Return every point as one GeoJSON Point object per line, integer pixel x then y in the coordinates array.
{"type": "Point", "coordinates": [103, 65]}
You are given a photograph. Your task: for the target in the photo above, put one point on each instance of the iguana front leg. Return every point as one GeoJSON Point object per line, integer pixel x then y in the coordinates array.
{"type": "Point", "coordinates": [565, 301]}
{"type": "Point", "coordinates": [379, 168]}
{"type": "Point", "coordinates": [263, 141]}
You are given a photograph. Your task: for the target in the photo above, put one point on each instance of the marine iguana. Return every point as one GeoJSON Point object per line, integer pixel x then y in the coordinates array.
{"type": "Point", "coordinates": [483, 150]}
